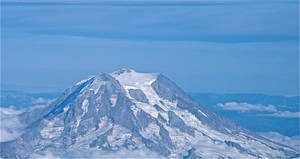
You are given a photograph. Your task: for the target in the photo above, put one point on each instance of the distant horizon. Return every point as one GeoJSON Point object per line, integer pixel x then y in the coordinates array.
{"type": "Point", "coordinates": [57, 88]}
{"type": "Point", "coordinates": [188, 92]}
{"type": "Point", "coordinates": [44, 89]}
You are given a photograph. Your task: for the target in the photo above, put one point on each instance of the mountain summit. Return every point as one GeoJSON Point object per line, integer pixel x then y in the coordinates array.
{"type": "Point", "coordinates": [128, 110]}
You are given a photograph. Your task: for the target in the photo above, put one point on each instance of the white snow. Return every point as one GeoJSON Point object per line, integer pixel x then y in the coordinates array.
{"type": "Point", "coordinates": [104, 121]}
{"type": "Point", "coordinates": [147, 108]}
{"type": "Point", "coordinates": [53, 129]}
{"type": "Point", "coordinates": [164, 115]}
{"type": "Point", "coordinates": [82, 81]}
{"type": "Point", "coordinates": [118, 137]}
{"type": "Point", "coordinates": [78, 122]}
{"type": "Point", "coordinates": [113, 100]}
{"type": "Point", "coordinates": [85, 105]}
{"type": "Point", "coordinates": [151, 132]}
{"type": "Point", "coordinates": [130, 79]}
{"type": "Point", "coordinates": [129, 87]}
{"type": "Point", "coordinates": [135, 79]}
{"type": "Point", "coordinates": [66, 108]}
{"type": "Point", "coordinates": [134, 109]}
{"type": "Point", "coordinates": [96, 85]}
{"type": "Point", "coordinates": [202, 113]}
{"type": "Point", "coordinates": [84, 141]}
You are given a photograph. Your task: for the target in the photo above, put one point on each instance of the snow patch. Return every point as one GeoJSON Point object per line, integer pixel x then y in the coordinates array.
{"type": "Point", "coordinates": [164, 115]}
{"type": "Point", "coordinates": [129, 87]}
{"type": "Point", "coordinates": [85, 105]}
{"type": "Point", "coordinates": [83, 81]}
{"type": "Point", "coordinates": [53, 129]}
{"type": "Point", "coordinates": [118, 137]}
{"type": "Point", "coordinates": [151, 132]}
{"type": "Point", "coordinates": [66, 108]}
{"type": "Point", "coordinates": [147, 108]}
{"type": "Point", "coordinates": [113, 100]}
{"type": "Point", "coordinates": [134, 109]}
{"type": "Point", "coordinates": [202, 113]}
{"type": "Point", "coordinates": [92, 134]}
{"type": "Point", "coordinates": [130, 79]}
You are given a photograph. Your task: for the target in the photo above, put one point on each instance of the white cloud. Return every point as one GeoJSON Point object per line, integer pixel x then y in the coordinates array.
{"type": "Point", "coordinates": [96, 153]}
{"type": "Point", "coordinates": [40, 100]}
{"type": "Point", "coordinates": [283, 114]}
{"type": "Point", "coordinates": [245, 107]}
{"type": "Point", "coordinates": [293, 141]}
{"type": "Point", "coordinates": [45, 155]}
{"type": "Point", "coordinates": [11, 110]}
{"type": "Point", "coordinates": [10, 126]}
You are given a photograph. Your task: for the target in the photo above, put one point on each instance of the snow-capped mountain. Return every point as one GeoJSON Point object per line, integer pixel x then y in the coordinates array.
{"type": "Point", "coordinates": [127, 110]}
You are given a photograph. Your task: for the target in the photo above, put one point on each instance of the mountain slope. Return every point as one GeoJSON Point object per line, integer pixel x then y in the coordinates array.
{"type": "Point", "coordinates": [136, 111]}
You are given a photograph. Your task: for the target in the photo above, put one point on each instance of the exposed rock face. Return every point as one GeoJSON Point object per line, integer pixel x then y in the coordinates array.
{"type": "Point", "coordinates": [133, 111]}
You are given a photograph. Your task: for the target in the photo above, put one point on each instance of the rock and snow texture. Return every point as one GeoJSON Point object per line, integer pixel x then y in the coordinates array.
{"type": "Point", "coordinates": [127, 110]}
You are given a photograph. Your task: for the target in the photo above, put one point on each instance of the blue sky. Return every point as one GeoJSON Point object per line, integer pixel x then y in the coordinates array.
{"type": "Point", "coordinates": [204, 46]}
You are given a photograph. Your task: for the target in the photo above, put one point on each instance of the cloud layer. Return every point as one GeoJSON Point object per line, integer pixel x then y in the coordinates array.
{"type": "Point", "coordinates": [245, 107]}
{"type": "Point", "coordinates": [270, 110]}
{"type": "Point", "coordinates": [10, 126]}
{"type": "Point", "coordinates": [293, 141]}
{"type": "Point", "coordinates": [284, 114]}
{"type": "Point", "coordinates": [95, 153]}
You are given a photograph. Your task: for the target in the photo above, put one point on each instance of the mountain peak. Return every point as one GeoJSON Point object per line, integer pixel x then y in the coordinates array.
{"type": "Point", "coordinates": [130, 79]}
{"type": "Point", "coordinates": [123, 70]}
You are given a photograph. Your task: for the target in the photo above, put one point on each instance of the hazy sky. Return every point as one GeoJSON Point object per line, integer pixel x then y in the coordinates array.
{"type": "Point", "coordinates": [204, 46]}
